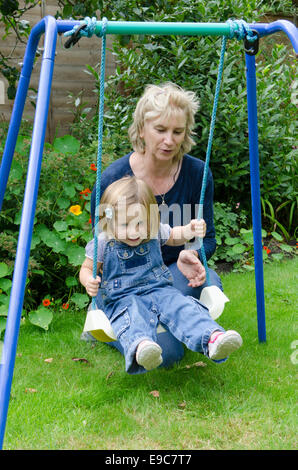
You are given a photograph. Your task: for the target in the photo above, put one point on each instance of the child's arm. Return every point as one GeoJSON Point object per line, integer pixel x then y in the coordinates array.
{"type": "Point", "coordinates": [182, 234]}
{"type": "Point", "coordinates": [86, 277]}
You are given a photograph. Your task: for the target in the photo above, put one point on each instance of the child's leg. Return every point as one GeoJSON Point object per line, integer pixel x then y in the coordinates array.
{"type": "Point", "coordinates": [135, 327]}
{"type": "Point", "coordinates": [189, 321]}
{"type": "Point", "coordinates": [172, 349]}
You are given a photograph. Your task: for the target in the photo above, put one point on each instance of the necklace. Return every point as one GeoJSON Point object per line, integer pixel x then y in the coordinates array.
{"type": "Point", "coordinates": [163, 203]}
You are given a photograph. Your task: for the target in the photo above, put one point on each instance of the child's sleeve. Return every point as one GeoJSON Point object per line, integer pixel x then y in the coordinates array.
{"type": "Point", "coordinates": [89, 250]}
{"type": "Point", "coordinates": [164, 233]}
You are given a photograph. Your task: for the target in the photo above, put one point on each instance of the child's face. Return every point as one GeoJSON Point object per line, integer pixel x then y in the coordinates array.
{"type": "Point", "coordinates": [132, 225]}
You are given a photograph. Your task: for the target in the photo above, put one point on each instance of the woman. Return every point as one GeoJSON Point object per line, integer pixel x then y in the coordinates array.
{"type": "Point", "coordinates": [161, 137]}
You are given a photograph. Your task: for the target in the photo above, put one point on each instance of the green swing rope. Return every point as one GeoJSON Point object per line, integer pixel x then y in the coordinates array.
{"type": "Point", "coordinates": [99, 149]}
{"type": "Point", "coordinates": [240, 29]}
{"type": "Point", "coordinates": [208, 152]}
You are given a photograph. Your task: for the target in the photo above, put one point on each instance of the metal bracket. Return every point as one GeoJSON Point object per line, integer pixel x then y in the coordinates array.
{"type": "Point", "coordinates": [75, 37]}
{"type": "Point", "coordinates": [252, 47]}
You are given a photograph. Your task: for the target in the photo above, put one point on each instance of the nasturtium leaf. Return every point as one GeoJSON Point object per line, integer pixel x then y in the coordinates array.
{"type": "Point", "coordinates": [75, 254]}
{"type": "Point", "coordinates": [41, 317]}
{"type": "Point", "coordinates": [66, 144]}
{"type": "Point", "coordinates": [3, 269]}
{"type": "Point", "coordinates": [81, 300]}
{"type": "Point", "coordinates": [60, 226]}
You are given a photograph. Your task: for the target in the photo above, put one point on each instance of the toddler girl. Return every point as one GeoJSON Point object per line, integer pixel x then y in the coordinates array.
{"type": "Point", "coordinates": [136, 286]}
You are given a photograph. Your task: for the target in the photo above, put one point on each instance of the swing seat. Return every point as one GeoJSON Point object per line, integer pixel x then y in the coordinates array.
{"type": "Point", "coordinates": [214, 299]}
{"type": "Point", "coordinates": [98, 325]}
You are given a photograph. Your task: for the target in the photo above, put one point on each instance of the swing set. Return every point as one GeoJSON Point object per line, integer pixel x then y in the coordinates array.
{"type": "Point", "coordinates": [249, 33]}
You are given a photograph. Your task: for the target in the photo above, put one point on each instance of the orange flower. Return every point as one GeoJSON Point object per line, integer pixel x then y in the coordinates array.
{"type": "Point", "coordinates": [46, 302]}
{"type": "Point", "coordinates": [76, 210]}
{"type": "Point", "coordinates": [268, 251]}
{"type": "Point", "coordinates": [65, 306]}
{"type": "Point", "coordinates": [90, 221]}
{"type": "Point", "coordinates": [85, 193]}
{"type": "Point", "coordinates": [93, 167]}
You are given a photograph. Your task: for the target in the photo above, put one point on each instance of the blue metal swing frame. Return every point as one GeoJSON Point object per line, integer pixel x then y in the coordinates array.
{"type": "Point", "coordinates": [51, 27]}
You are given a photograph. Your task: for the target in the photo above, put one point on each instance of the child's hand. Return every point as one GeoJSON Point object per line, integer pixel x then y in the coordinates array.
{"type": "Point", "coordinates": [92, 285]}
{"type": "Point", "coordinates": [198, 228]}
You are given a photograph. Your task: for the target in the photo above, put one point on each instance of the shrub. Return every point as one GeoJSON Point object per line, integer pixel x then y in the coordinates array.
{"type": "Point", "coordinates": [61, 225]}
{"type": "Point", "coordinates": [192, 63]}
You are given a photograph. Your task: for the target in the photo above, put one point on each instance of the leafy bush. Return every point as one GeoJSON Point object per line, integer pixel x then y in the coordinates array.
{"type": "Point", "coordinates": [192, 63]}
{"type": "Point", "coordinates": [61, 225]}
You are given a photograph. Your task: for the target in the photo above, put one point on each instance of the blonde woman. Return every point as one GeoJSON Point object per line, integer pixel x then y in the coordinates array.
{"type": "Point", "coordinates": [161, 137]}
{"type": "Point", "coordinates": [136, 286]}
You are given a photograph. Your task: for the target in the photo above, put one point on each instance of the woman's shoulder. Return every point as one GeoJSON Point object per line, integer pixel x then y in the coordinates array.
{"type": "Point", "coordinates": [192, 162]}
{"type": "Point", "coordinates": [194, 166]}
{"type": "Point", "coordinates": [118, 168]}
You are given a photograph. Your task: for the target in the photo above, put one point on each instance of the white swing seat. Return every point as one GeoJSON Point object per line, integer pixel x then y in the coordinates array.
{"type": "Point", "coordinates": [214, 299]}
{"type": "Point", "coordinates": [98, 325]}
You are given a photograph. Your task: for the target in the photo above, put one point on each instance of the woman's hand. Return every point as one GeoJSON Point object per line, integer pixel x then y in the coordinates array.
{"type": "Point", "coordinates": [191, 267]}
{"type": "Point", "coordinates": [92, 285]}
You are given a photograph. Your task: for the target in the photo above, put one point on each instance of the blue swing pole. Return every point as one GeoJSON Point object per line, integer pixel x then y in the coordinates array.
{"type": "Point", "coordinates": [255, 191]}
{"type": "Point", "coordinates": [48, 25]}
{"type": "Point", "coordinates": [27, 221]}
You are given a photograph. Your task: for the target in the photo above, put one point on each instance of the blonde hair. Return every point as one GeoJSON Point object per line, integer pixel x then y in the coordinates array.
{"type": "Point", "coordinates": [121, 194]}
{"type": "Point", "coordinates": [164, 100]}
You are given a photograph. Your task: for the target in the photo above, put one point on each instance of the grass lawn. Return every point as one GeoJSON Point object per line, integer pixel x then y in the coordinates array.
{"type": "Point", "coordinates": [249, 402]}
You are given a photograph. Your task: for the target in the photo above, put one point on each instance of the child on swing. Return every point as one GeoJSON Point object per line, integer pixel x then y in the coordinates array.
{"type": "Point", "coordinates": [136, 285]}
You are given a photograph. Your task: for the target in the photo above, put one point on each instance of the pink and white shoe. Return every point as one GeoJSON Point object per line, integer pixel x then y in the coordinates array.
{"type": "Point", "coordinates": [223, 344]}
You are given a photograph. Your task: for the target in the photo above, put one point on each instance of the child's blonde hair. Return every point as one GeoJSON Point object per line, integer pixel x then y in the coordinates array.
{"type": "Point", "coordinates": [121, 194]}
{"type": "Point", "coordinates": [164, 100]}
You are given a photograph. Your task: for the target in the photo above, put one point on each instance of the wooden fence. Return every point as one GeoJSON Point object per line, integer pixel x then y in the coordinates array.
{"type": "Point", "coordinates": [69, 75]}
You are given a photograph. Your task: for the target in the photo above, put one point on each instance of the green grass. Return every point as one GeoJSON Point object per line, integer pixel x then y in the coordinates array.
{"type": "Point", "coordinates": [248, 402]}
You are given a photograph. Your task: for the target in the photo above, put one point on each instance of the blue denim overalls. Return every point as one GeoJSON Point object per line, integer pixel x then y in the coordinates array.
{"type": "Point", "coordinates": [137, 292]}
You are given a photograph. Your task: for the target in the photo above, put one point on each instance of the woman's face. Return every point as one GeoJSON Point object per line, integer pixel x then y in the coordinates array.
{"type": "Point", "coordinates": [163, 136]}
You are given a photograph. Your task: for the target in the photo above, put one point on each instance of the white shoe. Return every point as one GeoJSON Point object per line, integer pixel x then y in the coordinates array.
{"type": "Point", "coordinates": [148, 355]}
{"type": "Point", "coordinates": [224, 344]}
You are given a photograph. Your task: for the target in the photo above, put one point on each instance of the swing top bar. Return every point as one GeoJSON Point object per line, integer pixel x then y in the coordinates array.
{"type": "Point", "coordinates": [185, 29]}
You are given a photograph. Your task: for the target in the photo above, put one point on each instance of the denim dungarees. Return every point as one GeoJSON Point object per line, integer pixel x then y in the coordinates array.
{"type": "Point", "coordinates": [137, 293]}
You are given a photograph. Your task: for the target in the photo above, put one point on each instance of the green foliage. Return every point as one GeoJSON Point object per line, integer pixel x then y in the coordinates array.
{"type": "Point", "coordinates": [235, 244]}
{"type": "Point", "coordinates": [192, 63]}
{"type": "Point", "coordinates": [61, 225]}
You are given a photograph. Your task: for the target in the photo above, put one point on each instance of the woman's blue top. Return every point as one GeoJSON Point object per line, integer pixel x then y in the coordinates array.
{"type": "Point", "coordinates": [182, 199]}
